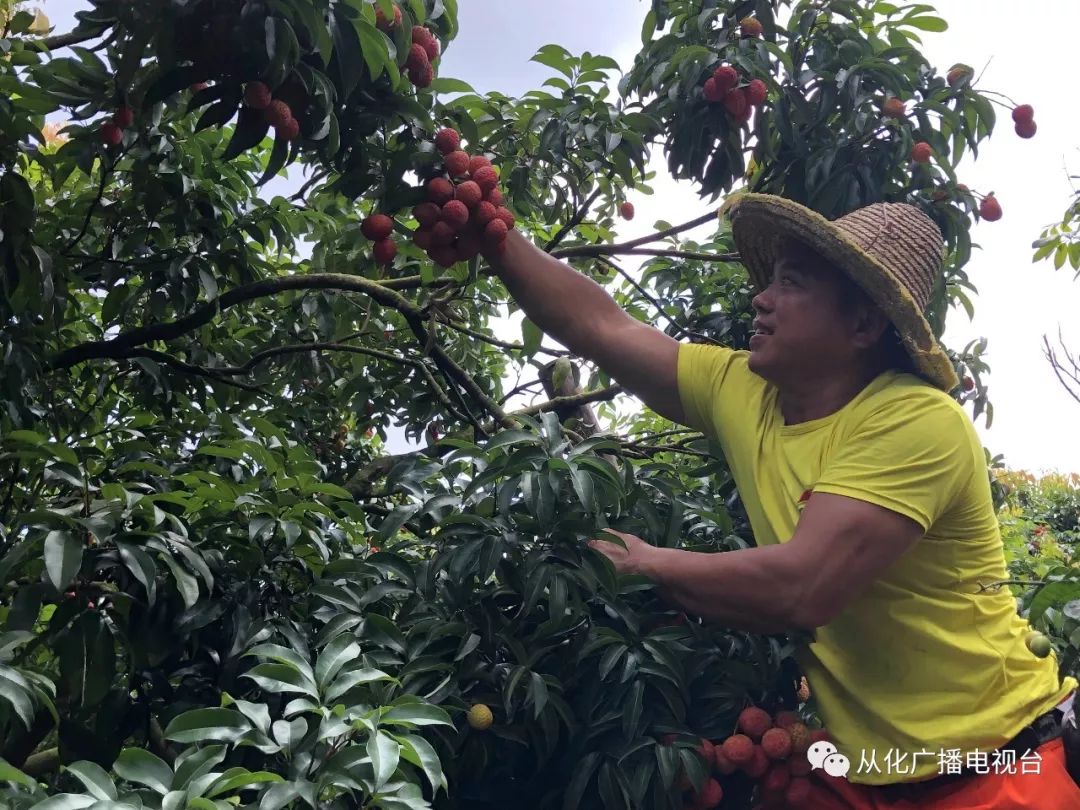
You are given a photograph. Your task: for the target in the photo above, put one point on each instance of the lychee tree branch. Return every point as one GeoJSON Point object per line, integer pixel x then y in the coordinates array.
{"type": "Point", "coordinates": [573, 222]}
{"type": "Point", "coordinates": [607, 250]}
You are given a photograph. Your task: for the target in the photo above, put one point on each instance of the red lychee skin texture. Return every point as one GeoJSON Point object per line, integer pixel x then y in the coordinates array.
{"type": "Point", "coordinates": [798, 792]}
{"type": "Point", "coordinates": [457, 163]}
{"type": "Point", "coordinates": [990, 209]}
{"type": "Point", "coordinates": [969, 384]}
{"type": "Point", "coordinates": [776, 743]}
{"type": "Point", "coordinates": [705, 748]}
{"type": "Point", "coordinates": [440, 190]}
{"type": "Point", "coordinates": [921, 152]}
{"type": "Point", "coordinates": [469, 193]}
{"type": "Point", "coordinates": [442, 234]}
{"type": "Point", "coordinates": [735, 103]}
{"type": "Point", "coordinates": [726, 78]}
{"type": "Point", "coordinates": [894, 108]}
{"type": "Point", "coordinates": [712, 92]}
{"type": "Point", "coordinates": [757, 92]}
{"type": "Point", "coordinates": [748, 113]}
{"type": "Point", "coordinates": [432, 46]}
{"type": "Point", "coordinates": [1026, 129]}
{"type": "Point", "coordinates": [487, 178]}
{"type": "Point", "coordinates": [455, 214]}
{"type": "Point", "coordinates": [819, 735]}
{"type": "Point", "coordinates": [757, 767]}
{"type": "Point", "coordinates": [800, 738]}
{"type": "Point", "coordinates": [469, 245]}
{"type": "Point", "coordinates": [124, 117]}
{"type": "Point", "coordinates": [1025, 112]}
{"type": "Point", "coordinates": [506, 216]}
{"type": "Point", "coordinates": [424, 77]}
{"type": "Point", "coordinates": [738, 748]}
{"type": "Point", "coordinates": [786, 719]}
{"type": "Point", "coordinates": [384, 251]}
{"type": "Point", "coordinates": [383, 23]}
{"type": "Point", "coordinates": [427, 214]}
{"type": "Point", "coordinates": [956, 76]}
{"type": "Point", "coordinates": [626, 210]}
{"type": "Point", "coordinates": [257, 95]}
{"type": "Point", "coordinates": [495, 232]}
{"type": "Point", "coordinates": [484, 213]}
{"type": "Point", "coordinates": [710, 796]}
{"type": "Point", "coordinates": [477, 162]}
{"type": "Point", "coordinates": [447, 141]}
{"type": "Point", "coordinates": [754, 722]}
{"type": "Point", "coordinates": [800, 765]}
{"type": "Point", "coordinates": [417, 58]}
{"type": "Point", "coordinates": [776, 779]}
{"type": "Point", "coordinates": [111, 134]}
{"type": "Point", "coordinates": [750, 27]}
{"type": "Point", "coordinates": [277, 112]}
{"type": "Point", "coordinates": [377, 227]}
{"type": "Point", "coordinates": [444, 255]}
{"type": "Point", "coordinates": [724, 765]}
{"type": "Point", "coordinates": [495, 197]}
{"type": "Point", "coordinates": [289, 129]}
{"type": "Point", "coordinates": [422, 238]}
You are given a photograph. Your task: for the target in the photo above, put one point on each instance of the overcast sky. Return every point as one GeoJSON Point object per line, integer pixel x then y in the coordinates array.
{"type": "Point", "coordinates": [1018, 302]}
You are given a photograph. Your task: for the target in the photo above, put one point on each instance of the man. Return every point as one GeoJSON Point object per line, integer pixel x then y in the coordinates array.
{"type": "Point", "coordinates": [866, 487]}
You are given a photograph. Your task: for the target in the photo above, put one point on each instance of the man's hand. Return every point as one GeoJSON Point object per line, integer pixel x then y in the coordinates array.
{"type": "Point", "coordinates": [630, 560]}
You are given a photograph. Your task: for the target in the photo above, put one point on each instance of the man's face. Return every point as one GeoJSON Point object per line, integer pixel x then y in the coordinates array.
{"type": "Point", "coordinates": [804, 331]}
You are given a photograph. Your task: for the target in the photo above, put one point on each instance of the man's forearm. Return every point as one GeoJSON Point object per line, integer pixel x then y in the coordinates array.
{"type": "Point", "coordinates": [749, 589]}
{"type": "Point", "coordinates": [561, 301]}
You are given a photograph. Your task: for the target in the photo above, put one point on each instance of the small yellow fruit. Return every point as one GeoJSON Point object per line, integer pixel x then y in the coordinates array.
{"type": "Point", "coordinates": [1038, 644]}
{"type": "Point", "coordinates": [480, 717]}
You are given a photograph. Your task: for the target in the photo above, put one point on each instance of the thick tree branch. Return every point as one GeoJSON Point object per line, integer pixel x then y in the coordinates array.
{"type": "Point", "coordinates": [65, 40]}
{"type": "Point", "coordinates": [596, 395]}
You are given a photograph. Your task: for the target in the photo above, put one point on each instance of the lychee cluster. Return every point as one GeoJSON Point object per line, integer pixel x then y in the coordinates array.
{"type": "Point", "coordinates": [1024, 118]}
{"type": "Point", "coordinates": [770, 750]}
{"type": "Point", "coordinates": [723, 87]}
{"type": "Point", "coordinates": [378, 228]}
{"type": "Point", "coordinates": [464, 212]}
{"type": "Point", "coordinates": [278, 114]}
{"type": "Point", "coordinates": [422, 53]}
{"type": "Point", "coordinates": [112, 131]}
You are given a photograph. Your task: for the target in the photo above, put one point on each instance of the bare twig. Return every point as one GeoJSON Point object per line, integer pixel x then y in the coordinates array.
{"type": "Point", "coordinates": [597, 395]}
{"type": "Point", "coordinates": [607, 250]}
{"type": "Point", "coordinates": [517, 347]}
{"type": "Point", "coordinates": [199, 371]}
{"type": "Point", "coordinates": [1060, 371]}
{"type": "Point", "coordinates": [573, 222]}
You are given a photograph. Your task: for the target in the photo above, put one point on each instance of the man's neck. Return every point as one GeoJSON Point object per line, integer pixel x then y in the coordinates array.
{"type": "Point", "coordinates": [809, 399]}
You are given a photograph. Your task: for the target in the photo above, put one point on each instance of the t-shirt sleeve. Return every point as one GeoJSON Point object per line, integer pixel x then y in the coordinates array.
{"type": "Point", "coordinates": [913, 455]}
{"type": "Point", "coordinates": [716, 388]}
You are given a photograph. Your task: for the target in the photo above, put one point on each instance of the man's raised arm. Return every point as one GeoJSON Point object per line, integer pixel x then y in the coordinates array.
{"type": "Point", "coordinates": [579, 313]}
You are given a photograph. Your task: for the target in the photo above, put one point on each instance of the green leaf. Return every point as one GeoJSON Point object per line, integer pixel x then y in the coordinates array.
{"type": "Point", "coordinates": [63, 558]}
{"type": "Point", "coordinates": [144, 768]}
{"type": "Point", "coordinates": [934, 24]}
{"type": "Point", "coordinates": [281, 678]}
{"type": "Point", "coordinates": [350, 679]}
{"type": "Point", "coordinates": [142, 568]}
{"type": "Point", "coordinates": [334, 656]}
{"type": "Point", "coordinates": [385, 753]}
{"type": "Point", "coordinates": [236, 778]}
{"type": "Point", "coordinates": [194, 762]}
{"type": "Point", "coordinates": [447, 85]}
{"type": "Point", "coordinates": [65, 801]}
{"type": "Point", "coordinates": [417, 714]}
{"type": "Point", "coordinates": [583, 774]}
{"type": "Point", "coordinates": [1052, 595]}
{"type": "Point", "coordinates": [420, 752]}
{"type": "Point", "coordinates": [200, 725]}
{"type": "Point", "coordinates": [9, 773]}
{"type": "Point", "coordinates": [94, 777]}
{"type": "Point", "coordinates": [531, 336]}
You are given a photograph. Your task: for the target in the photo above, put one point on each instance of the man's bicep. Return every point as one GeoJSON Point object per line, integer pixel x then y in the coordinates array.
{"type": "Point", "coordinates": [645, 361]}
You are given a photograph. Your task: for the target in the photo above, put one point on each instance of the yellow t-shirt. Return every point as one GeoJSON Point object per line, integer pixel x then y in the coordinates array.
{"type": "Point", "coordinates": [921, 663]}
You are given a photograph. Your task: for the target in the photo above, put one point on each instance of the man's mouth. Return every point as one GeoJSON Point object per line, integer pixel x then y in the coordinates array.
{"type": "Point", "coordinates": [761, 329]}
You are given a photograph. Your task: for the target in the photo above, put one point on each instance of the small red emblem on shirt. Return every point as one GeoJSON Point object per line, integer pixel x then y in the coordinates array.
{"type": "Point", "coordinates": [804, 498]}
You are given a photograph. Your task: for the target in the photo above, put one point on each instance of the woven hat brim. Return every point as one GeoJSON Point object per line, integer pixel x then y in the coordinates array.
{"type": "Point", "coordinates": [761, 221]}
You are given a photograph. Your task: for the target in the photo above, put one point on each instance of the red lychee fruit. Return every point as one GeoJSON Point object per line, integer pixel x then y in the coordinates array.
{"type": "Point", "coordinates": [455, 214]}
{"type": "Point", "coordinates": [894, 108]}
{"type": "Point", "coordinates": [288, 129]}
{"type": "Point", "coordinates": [447, 141]}
{"type": "Point", "coordinates": [111, 134]}
{"type": "Point", "coordinates": [921, 152]}
{"type": "Point", "coordinates": [417, 58]}
{"type": "Point", "coordinates": [123, 117]}
{"type": "Point", "coordinates": [726, 78]}
{"type": "Point", "coordinates": [377, 227]}
{"type": "Point", "coordinates": [440, 190]}
{"type": "Point", "coordinates": [427, 214]}
{"type": "Point", "coordinates": [277, 112]}
{"type": "Point", "coordinates": [506, 216]}
{"type": "Point", "coordinates": [626, 210]}
{"type": "Point", "coordinates": [747, 114]}
{"type": "Point", "coordinates": [800, 738]}
{"type": "Point", "coordinates": [738, 748]}
{"type": "Point", "coordinates": [482, 215]}
{"type": "Point", "coordinates": [477, 162]}
{"type": "Point", "coordinates": [442, 234]}
{"type": "Point", "coordinates": [1024, 112]}
{"type": "Point", "coordinates": [759, 765]}
{"type": "Point", "coordinates": [819, 735]}
{"type": "Point", "coordinates": [457, 163]}
{"type": "Point", "coordinates": [990, 208]}
{"type": "Point", "coordinates": [754, 722]}
{"type": "Point", "coordinates": [710, 796]}
{"type": "Point", "coordinates": [384, 251]}
{"type": "Point", "coordinates": [969, 384]}
{"type": "Point", "coordinates": [723, 765]}
{"type": "Point", "coordinates": [777, 778]}
{"type": "Point", "coordinates": [750, 27]}
{"type": "Point", "coordinates": [776, 743]}
{"type": "Point", "coordinates": [495, 196]}
{"type": "Point", "coordinates": [444, 255]}
{"type": "Point", "coordinates": [735, 102]}
{"type": "Point", "coordinates": [1026, 129]}
{"type": "Point", "coordinates": [469, 193]}
{"type": "Point", "coordinates": [495, 232]}
{"type": "Point", "coordinates": [786, 719]}
{"type": "Point", "coordinates": [385, 24]}
{"type": "Point", "coordinates": [712, 92]}
{"type": "Point", "coordinates": [423, 77]}
{"type": "Point", "coordinates": [800, 765]}
{"type": "Point", "coordinates": [705, 748]}
{"type": "Point", "coordinates": [487, 178]}
{"type": "Point", "coordinates": [257, 95]}
{"type": "Point", "coordinates": [957, 74]}
{"type": "Point", "coordinates": [422, 238]}
{"type": "Point", "coordinates": [798, 792]}
{"type": "Point", "coordinates": [423, 37]}
{"type": "Point", "coordinates": [757, 92]}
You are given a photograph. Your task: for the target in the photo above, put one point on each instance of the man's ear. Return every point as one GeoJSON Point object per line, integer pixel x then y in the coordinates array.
{"type": "Point", "coordinates": [870, 325]}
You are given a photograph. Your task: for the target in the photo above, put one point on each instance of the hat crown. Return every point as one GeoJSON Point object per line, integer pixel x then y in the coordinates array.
{"type": "Point", "coordinates": [903, 240]}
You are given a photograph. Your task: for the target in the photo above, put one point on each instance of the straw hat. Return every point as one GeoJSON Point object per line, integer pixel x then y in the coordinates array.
{"type": "Point", "coordinates": [893, 251]}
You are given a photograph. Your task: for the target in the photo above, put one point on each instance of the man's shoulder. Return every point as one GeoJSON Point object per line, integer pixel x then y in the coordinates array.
{"type": "Point", "coordinates": [907, 398]}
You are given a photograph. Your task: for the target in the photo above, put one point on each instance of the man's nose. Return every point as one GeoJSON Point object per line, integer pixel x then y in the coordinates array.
{"type": "Point", "coordinates": [762, 301]}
